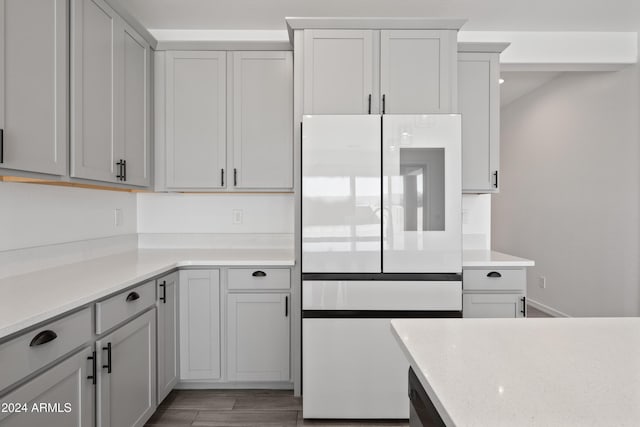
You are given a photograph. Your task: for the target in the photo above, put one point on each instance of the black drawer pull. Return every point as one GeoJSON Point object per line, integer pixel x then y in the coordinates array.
{"type": "Point", "coordinates": [133, 296]}
{"type": "Point", "coordinates": [286, 306]}
{"type": "Point", "coordinates": [259, 274]}
{"type": "Point", "coordinates": [524, 306]}
{"type": "Point", "coordinates": [494, 274]}
{"type": "Point", "coordinates": [108, 365]}
{"type": "Point", "coordinates": [94, 374]}
{"type": "Point", "coordinates": [43, 338]}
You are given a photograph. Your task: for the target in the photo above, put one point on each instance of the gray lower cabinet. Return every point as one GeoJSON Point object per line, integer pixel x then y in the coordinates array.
{"type": "Point", "coordinates": [167, 334]}
{"type": "Point", "coordinates": [258, 337]}
{"type": "Point", "coordinates": [494, 292]}
{"type": "Point", "coordinates": [34, 85]}
{"type": "Point", "coordinates": [494, 305]}
{"type": "Point", "coordinates": [62, 396]}
{"type": "Point", "coordinates": [127, 380]}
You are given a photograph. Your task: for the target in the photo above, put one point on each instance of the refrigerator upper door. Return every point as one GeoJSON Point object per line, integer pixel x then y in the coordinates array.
{"type": "Point", "coordinates": [341, 194]}
{"type": "Point", "coordinates": [422, 194]}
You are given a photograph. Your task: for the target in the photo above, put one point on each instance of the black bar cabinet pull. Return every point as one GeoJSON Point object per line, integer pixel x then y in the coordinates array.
{"type": "Point", "coordinates": [133, 296]}
{"type": "Point", "coordinates": [222, 177]}
{"type": "Point", "coordinates": [495, 175]}
{"type": "Point", "coordinates": [384, 104]}
{"type": "Point", "coordinates": [1, 145]}
{"type": "Point", "coordinates": [235, 177]}
{"type": "Point", "coordinates": [108, 365]}
{"type": "Point", "coordinates": [120, 175]}
{"type": "Point", "coordinates": [124, 168]}
{"type": "Point", "coordinates": [494, 274]}
{"type": "Point", "coordinates": [259, 273]}
{"type": "Point", "coordinates": [286, 306]}
{"type": "Point", "coordinates": [94, 369]}
{"type": "Point", "coordinates": [369, 109]}
{"type": "Point", "coordinates": [524, 307]}
{"type": "Point", "coordinates": [163, 285]}
{"type": "Point", "coordinates": [43, 338]}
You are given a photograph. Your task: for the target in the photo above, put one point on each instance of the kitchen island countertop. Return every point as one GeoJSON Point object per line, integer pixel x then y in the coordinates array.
{"type": "Point", "coordinates": [527, 372]}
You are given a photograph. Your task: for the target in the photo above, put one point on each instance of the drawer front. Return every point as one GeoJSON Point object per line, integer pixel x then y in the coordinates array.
{"type": "Point", "coordinates": [119, 308]}
{"type": "Point", "coordinates": [259, 278]}
{"type": "Point", "coordinates": [19, 358]}
{"type": "Point", "coordinates": [494, 280]}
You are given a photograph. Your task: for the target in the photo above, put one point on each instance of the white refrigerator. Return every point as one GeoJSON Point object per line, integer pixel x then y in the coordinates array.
{"type": "Point", "coordinates": [381, 239]}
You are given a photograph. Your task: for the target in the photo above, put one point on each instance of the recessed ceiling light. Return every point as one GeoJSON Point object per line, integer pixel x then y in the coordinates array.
{"type": "Point", "coordinates": [500, 81]}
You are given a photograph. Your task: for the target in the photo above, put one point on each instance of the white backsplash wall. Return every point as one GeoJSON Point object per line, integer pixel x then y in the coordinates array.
{"type": "Point", "coordinates": [476, 221]}
{"type": "Point", "coordinates": [204, 220]}
{"type": "Point", "coordinates": [39, 215]}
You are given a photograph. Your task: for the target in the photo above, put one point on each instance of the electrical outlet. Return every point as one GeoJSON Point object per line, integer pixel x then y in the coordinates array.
{"type": "Point", "coordinates": [117, 217]}
{"type": "Point", "coordinates": [237, 216]}
{"type": "Point", "coordinates": [542, 282]}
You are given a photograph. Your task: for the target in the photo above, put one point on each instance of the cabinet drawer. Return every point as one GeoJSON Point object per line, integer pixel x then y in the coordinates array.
{"type": "Point", "coordinates": [494, 305]}
{"type": "Point", "coordinates": [494, 280]}
{"type": "Point", "coordinates": [19, 358]}
{"type": "Point", "coordinates": [126, 304]}
{"type": "Point", "coordinates": [259, 278]}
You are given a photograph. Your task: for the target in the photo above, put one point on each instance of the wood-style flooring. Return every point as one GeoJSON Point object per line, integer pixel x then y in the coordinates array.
{"type": "Point", "coordinates": [209, 408]}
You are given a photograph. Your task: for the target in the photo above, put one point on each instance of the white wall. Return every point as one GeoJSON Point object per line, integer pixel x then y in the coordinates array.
{"type": "Point", "coordinates": [570, 162]}
{"type": "Point", "coordinates": [213, 213]}
{"type": "Point", "coordinates": [476, 221]}
{"type": "Point", "coordinates": [37, 215]}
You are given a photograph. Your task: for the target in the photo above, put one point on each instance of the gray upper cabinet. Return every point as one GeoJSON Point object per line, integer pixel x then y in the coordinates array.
{"type": "Point", "coordinates": [479, 104]}
{"type": "Point", "coordinates": [379, 71]}
{"type": "Point", "coordinates": [196, 120]}
{"type": "Point", "coordinates": [339, 71]}
{"type": "Point", "coordinates": [136, 111]}
{"type": "Point", "coordinates": [66, 383]}
{"type": "Point", "coordinates": [417, 71]}
{"type": "Point", "coordinates": [224, 120]}
{"type": "Point", "coordinates": [110, 97]}
{"type": "Point", "coordinates": [127, 381]}
{"type": "Point", "coordinates": [262, 132]}
{"type": "Point", "coordinates": [34, 85]}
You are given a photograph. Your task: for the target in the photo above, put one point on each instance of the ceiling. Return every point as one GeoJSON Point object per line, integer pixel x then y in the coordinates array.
{"type": "Point", "coordinates": [486, 15]}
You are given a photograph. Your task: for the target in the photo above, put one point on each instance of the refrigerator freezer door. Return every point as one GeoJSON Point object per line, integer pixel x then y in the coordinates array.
{"type": "Point", "coordinates": [341, 194]}
{"type": "Point", "coordinates": [422, 230]}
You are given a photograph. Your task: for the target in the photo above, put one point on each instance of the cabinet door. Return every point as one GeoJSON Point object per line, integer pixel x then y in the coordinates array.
{"type": "Point", "coordinates": [127, 383]}
{"type": "Point", "coordinates": [493, 305]}
{"type": "Point", "coordinates": [262, 120]}
{"type": "Point", "coordinates": [134, 146]}
{"type": "Point", "coordinates": [66, 386]}
{"type": "Point", "coordinates": [196, 120]}
{"type": "Point", "coordinates": [167, 334]}
{"type": "Point", "coordinates": [34, 85]}
{"type": "Point", "coordinates": [258, 337]}
{"type": "Point", "coordinates": [338, 71]}
{"type": "Point", "coordinates": [417, 71]}
{"type": "Point", "coordinates": [95, 95]}
{"type": "Point", "coordinates": [199, 324]}
{"type": "Point", "coordinates": [479, 102]}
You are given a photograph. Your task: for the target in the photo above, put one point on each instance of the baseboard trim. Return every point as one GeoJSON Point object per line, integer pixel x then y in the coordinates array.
{"type": "Point", "coordinates": [546, 309]}
{"type": "Point", "coordinates": [210, 385]}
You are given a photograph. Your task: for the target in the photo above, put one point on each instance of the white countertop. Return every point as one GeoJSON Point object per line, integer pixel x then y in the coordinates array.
{"type": "Point", "coordinates": [31, 298]}
{"type": "Point", "coordinates": [484, 258]}
{"type": "Point", "coordinates": [527, 372]}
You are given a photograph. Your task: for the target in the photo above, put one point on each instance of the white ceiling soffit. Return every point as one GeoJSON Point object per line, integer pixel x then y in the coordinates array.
{"type": "Point", "coordinates": [561, 51]}
{"type": "Point", "coordinates": [485, 15]}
